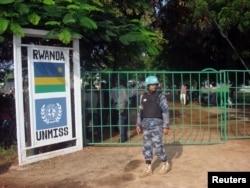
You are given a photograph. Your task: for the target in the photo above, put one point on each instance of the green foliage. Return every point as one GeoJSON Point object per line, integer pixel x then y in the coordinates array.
{"type": "Point", "coordinates": [220, 1]}
{"type": "Point", "coordinates": [2, 2]}
{"type": "Point", "coordinates": [65, 36]}
{"type": "Point", "coordinates": [201, 7]}
{"type": "Point", "coordinates": [152, 50]}
{"type": "Point", "coordinates": [88, 23]}
{"type": "Point", "coordinates": [193, 31]}
{"type": "Point", "coordinates": [131, 37]}
{"type": "Point", "coordinates": [97, 2]}
{"type": "Point", "coordinates": [56, 23]}
{"type": "Point", "coordinates": [234, 14]}
{"type": "Point", "coordinates": [88, 7]}
{"type": "Point", "coordinates": [106, 28]}
{"type": "Point", "coordinates": [16, 29]}
{"type": "Point", "coordinates": [69, 19]}
{"type": "Point", "coordinates": [76, 35]}
{"type": "Point", "coordinates": [34, 18]}
{"type": "Point", "coordinates": [22, 8]}
{"type": "Point", "coordinates": [52, 33]}
{"type": "Point", "coordinates": [73, 7]}
{"type": "Point", "coordinates": [3, 25]}
{"type": "Point", "coordinates": [48, 2]}
{"type": "Point", "coordinates": [111, 33]}
{"type": "Point", "coordinates": [69, 1]}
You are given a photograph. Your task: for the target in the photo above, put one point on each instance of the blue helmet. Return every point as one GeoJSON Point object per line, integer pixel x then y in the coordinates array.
{"type": "Point", "coordinates": [151, 80]}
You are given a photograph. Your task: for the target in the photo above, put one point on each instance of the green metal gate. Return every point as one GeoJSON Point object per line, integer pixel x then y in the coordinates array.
{"type": "Point", "coordinates": [217, 106]}
{"type": "Point", "coordinates": [237, 104]}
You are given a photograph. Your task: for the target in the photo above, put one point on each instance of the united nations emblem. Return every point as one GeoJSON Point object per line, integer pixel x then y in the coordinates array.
{"type": "Point", "coordinates": [51, 113]}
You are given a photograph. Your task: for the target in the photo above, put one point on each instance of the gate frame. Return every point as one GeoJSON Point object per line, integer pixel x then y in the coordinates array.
{"type": "Point", "coordinates": [223, 99]}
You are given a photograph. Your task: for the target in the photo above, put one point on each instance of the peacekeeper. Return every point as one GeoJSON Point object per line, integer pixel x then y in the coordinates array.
{"type": "Point", "coordinates": [153, 121]}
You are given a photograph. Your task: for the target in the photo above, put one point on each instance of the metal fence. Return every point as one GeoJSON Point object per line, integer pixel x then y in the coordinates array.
{"type": "Point", "coordinates": [217, 108]}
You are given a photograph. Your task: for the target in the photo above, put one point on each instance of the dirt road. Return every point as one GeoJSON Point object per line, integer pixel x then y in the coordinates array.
{"type": "Point", "coordinates": [114, 167]}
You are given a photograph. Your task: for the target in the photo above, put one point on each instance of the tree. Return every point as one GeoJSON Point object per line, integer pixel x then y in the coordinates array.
{"type": "Point", "coordinates": [194, 39]}
{"type": "Point", "coordinates": [112, 33]}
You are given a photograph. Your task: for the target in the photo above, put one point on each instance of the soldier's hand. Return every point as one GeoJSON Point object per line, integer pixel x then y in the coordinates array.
{"type": "Point", "coordinates": [138, 129]}
{"type": "Point", "coordinates": [165, 131]}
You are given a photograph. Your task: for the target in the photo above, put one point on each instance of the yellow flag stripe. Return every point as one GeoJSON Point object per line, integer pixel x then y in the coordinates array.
{"type": "Point", "coordinates": [49, 81]}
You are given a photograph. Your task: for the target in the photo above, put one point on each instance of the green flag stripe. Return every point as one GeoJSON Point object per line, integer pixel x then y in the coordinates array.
{"type": "Point", "coordinates": [49, 88]}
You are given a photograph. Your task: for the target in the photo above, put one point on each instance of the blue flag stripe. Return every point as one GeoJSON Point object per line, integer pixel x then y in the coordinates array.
{"type": "Point", "coordinates": [42, 69]}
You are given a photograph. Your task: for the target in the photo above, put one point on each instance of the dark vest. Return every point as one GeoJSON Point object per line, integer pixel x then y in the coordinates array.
{"type": "Point", "coordinates": [151, 106]}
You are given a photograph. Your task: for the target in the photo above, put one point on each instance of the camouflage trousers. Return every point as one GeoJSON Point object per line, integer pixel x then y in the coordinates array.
{"type": "Point", "coordinates": [153, 140]}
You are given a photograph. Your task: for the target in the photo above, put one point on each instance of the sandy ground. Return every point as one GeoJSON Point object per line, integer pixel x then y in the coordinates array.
{"type": "Point", "coordinates": [115, 167]}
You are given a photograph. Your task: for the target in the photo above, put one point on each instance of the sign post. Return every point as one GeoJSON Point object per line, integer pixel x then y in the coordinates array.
{"type": "Point", "coordinates": [47, 89]}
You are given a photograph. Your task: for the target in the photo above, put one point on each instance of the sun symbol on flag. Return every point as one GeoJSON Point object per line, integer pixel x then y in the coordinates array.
{"type": "Point", "coordinates": [59, 69]}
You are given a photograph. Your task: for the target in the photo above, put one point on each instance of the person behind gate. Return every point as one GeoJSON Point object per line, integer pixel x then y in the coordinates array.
{"type": "Point", "coordinates": [153, 121]}
{"type": "Point", "coordinates": [119, 101]}
{"type": "Point", "coordinates": [183, 94]}
{"type": "Point", "coordinates": [92, 117]}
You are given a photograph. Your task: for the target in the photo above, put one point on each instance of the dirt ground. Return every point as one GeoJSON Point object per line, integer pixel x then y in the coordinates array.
{"type": "Point", "coordinates": [115, 167]}
{"type": "Point", "coordinates": [120, 166]}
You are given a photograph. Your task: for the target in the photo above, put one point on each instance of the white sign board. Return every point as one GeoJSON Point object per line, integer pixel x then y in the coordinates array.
{"type": "Point", "coordinates": [50, 85]}
{"type": "Point", "coordinates": [46, 98]}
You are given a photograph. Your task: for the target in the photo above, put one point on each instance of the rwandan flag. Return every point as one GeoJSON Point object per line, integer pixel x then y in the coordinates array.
{"type": "Point", "coordinates": [49, 77]}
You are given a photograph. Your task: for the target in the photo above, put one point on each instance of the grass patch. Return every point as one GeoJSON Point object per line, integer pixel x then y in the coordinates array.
{"type": "Point", "coordinates": [9, 154]}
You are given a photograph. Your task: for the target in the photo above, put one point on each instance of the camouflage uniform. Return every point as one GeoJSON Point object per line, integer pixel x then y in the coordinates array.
{"type": "Point", "coordinates": [152, 132]}
{"type": "Point", "coordinates": [153, 119]}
